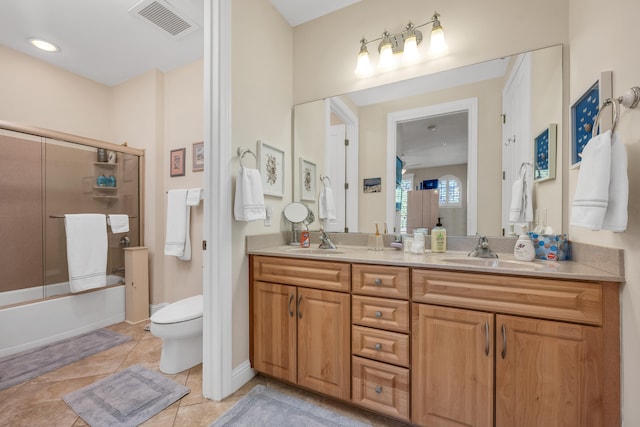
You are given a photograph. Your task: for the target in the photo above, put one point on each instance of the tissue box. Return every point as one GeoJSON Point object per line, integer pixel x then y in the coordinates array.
{"type": "Point", "coordinates": [552, 247]}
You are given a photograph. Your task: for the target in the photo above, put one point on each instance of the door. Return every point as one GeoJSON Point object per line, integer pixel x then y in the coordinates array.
{"type": "Point", "coordinates": [324, 342]}
{"type": "Point", "coordinates": [452, 367]}
{"type": "Point", "coordinates": [547, 373]}
{"type": "Point", "coordinates": [335, 169]}
{"type": "Point", "coordinates": [516, 131]}
{"type": "Point", "coordinates": [274, 330]}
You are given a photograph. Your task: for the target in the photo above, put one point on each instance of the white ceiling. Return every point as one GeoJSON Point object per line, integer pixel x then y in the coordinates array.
{"type": "Point", "coordinates": [101, 40]}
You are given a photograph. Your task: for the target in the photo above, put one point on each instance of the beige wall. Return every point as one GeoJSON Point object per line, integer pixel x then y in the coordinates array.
{"type": "Point", "coordinates": [595, 49]}
{"type": "Point", "coordinates": [155, 112]}
{"type": "Point", "coordinates": [261, 109]}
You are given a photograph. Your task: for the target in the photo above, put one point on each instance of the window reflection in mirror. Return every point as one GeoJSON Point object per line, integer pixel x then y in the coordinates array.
{"type": "Point", "coordinates": [481, 176]}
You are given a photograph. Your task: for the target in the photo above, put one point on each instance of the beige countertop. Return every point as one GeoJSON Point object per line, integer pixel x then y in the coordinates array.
{"type": "Point", "coordinates": [451, 260]}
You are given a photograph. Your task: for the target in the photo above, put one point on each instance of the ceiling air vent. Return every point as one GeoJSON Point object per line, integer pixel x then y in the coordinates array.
{"type": "Point", "coordinates": [163, 16]}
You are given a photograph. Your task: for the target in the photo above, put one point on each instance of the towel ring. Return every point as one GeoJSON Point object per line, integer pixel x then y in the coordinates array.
{"type": "Point", "coordinates": [243, 152]}
{"type": "Point", "coordinates": [325, 180]}
{"type": "Point", "coordinates": [596, 123]}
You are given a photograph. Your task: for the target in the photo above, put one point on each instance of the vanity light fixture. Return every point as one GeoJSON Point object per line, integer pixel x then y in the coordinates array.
{"type": "Point", "coordinates": [404, 43]}
{"type": "Point", "coordinates": [44, 45]}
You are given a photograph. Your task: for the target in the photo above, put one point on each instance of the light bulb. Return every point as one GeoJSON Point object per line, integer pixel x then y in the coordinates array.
{"type": "Point", "coordinates": [44, 45]}
{"type": "Point", "coordinates": [363, 65]}
{"type": "Point", "coordinates": [410, 53]}
{"type": "Point", "coordinates": [387, 61]}
{"type": "Point", "coordinates": [438, 43]}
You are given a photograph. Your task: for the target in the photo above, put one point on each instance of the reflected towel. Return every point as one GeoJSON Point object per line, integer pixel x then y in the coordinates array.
{"type": "Point", "coordinates": [194, 195]}
{"type": "Point", "coordinates": [119, 223]}
{"type": "Point", "coordinates": [592, 191]}
{"type": "Point", "coordinates": [177, 240]}
{"type": "Point", "coordinates": [86, 250]}
{"type": "Point", "coordinates": [326, 203]}
{"type": "Point", "coordinates": [249, 200]}
{"type": "Point", "coordinates": [521, 208]}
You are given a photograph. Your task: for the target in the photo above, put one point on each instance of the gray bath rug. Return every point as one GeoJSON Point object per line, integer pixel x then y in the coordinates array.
{"type": "Point", "coordinates": [265, 407]}
{"type": "Point", "coordinates": [126, 398]}
{"type": "Point", "coordinates": [23, 366]}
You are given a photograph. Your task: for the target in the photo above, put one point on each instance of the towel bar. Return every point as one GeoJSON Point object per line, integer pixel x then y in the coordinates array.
{"type": "Point", "coordinates": [629, 99]}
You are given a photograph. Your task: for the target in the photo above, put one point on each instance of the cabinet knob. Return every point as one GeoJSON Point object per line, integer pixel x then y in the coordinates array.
{"type": "Point", "coordinates": [378, 389]}
{"type": "Point", "coordinates": [378, 281]}
{"type": "Point", "coordinates": [378, 314]}
{"type": "Point", "coordinates": [378, 346]}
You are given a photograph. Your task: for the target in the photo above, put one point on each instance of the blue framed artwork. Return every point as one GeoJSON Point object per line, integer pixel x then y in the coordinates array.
{"type": "Point", "coordinates": [583, 114]}
{"type": "Point", "coordinates": [544, 163]}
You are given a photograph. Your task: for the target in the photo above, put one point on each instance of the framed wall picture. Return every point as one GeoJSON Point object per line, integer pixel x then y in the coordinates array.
{"type": "Point", "coordinates": [198, 156]}
{"type": "Point", "coordinates": [544, 146]}
{"type": "Point", "coordinates": [307, 180]}
{"type": "Point", "coordinates": [583, 114]}
{"type": "Point", "coordinates": [271, 167]}
{"type": "Point", "coordinates": [176, 162]}
{"type": "Point", "coordinates": [372, 185]}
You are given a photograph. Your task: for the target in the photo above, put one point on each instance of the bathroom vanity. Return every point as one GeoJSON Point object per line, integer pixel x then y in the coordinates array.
{"type": "Point", "coordinates": [441, 339]}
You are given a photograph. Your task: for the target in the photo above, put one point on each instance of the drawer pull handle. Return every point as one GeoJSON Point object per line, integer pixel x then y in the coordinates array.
{"type": "Point", "coordinates": [504, 342]}
{"type": "Point", "coordinates": [378, 314]}
{"type": "Point", "coordinates": [378, 346]}
{"type": "Point", "coordinates": [298, 307]}
{"type": "Point", "coordinates": [290, 309]}
{"type": "Point", "coordinates": [378, 389]}
{"type": "Point", "coordinates": [486, 338]}
{"type": "Point", "coordinates": [378, 281]}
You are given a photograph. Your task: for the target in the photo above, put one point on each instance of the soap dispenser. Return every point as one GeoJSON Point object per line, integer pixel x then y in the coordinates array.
{"type": "Point", "coordinates": [524, 250]}
{"type": "Point", "coordinates": [439, 238]}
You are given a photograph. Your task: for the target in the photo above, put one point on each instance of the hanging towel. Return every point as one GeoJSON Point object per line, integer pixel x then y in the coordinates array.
{"type": "Point", "coordinates": [521, 208]}
{"type": "Point", "coordinates": [194, 195]}
{"type": "Point", "coordinates": [249, 201]}
{"type": "Point", "coordinates": [592, 191]}
{"type": "Point", "coordinates": [326, 203]}
{"type": "Point", "coordinates": [177, 241]}
{"type": "Point", "coordinates": [119, 223]}
{"type": "Point", "coordinates": [616, 217]}
{"type": "Point", "coordinates": [86, 250]}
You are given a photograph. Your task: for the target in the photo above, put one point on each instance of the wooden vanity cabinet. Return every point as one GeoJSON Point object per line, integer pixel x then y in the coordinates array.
{"type": "Point", "coordinates": [299, 334]}
{"type": "Point", "coordinates": [550, 370]}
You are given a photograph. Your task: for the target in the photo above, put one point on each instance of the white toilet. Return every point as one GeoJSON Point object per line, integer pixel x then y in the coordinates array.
{"type": "Point", "coordinates": [180, 327]}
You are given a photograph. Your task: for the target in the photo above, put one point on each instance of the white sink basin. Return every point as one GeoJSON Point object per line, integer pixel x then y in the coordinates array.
{"type": "Point", "coordinates": [493, 263]}
{"type": "Point", "coordinates": [316, 251]}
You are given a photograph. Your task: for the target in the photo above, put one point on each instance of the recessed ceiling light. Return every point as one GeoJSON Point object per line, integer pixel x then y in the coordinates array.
{"type": "Point", "coordinates": [44, 45]}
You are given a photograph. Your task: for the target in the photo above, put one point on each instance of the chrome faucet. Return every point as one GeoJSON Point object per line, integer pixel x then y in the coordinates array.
{"type": "Point", "coordinates": [325, 241]}
{"type": "Point", "coordinates": [483, 250]}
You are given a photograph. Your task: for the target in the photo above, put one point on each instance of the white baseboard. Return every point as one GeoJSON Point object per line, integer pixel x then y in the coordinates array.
{"type": "Point", "coordinates": [241, 374]}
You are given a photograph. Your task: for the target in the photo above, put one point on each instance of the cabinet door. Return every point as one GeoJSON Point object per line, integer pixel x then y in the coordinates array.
{"type": "Point", "coordinates": [452, 367]}
{"type": "Point", "coordinates": [547, 373]}
{"type": "Point", "coordinates": [324, 341]}
{"type": "Point", "coordinates": [274, 330]}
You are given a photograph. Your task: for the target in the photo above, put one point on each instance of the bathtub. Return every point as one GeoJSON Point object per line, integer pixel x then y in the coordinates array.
{"type": "Point", "coordinates": [27, 326]}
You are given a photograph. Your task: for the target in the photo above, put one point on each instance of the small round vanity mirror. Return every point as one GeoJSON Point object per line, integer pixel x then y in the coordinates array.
{"type": "Point", "coordinates": [296, 212]}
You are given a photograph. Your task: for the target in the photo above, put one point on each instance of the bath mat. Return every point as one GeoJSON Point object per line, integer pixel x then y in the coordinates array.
{"type": "Point", "coordinates": [266, 407]}
{"type": "Point", "coordinates": [126, 398]}
{"type": "Point", "coordinates": [23, 366]}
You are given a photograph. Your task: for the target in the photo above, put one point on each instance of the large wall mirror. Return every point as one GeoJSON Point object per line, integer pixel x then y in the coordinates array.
{"type": "Point", "coordinates": [468, 132]}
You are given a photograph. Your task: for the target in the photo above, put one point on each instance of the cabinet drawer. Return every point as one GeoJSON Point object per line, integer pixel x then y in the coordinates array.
{"type": "Point", "coordinates": [566, 300]}
{"type": "Point", "coordinates": [392, 282]}
{"type": "Point", "coordinates": [380, 387]}
{"type": "Point", "coordinates": [385, 346]}
{"type": "Point", "coordinates": [302, 272]}
{"type": "Point", "coordinates": [380, 313]}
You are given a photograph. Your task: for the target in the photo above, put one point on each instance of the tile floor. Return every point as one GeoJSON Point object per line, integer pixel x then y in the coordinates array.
{"type": "Point", "coordinates": [39, 402]}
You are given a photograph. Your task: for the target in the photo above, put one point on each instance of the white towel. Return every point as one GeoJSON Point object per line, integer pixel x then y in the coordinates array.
{"type": "Point", "coordinates": [86, 250]}
{"type": "Point", "coordinates": [177, 240]}
{"type": "Point", "coordinates": [326, 203]}
{"type": "Point", "coordinates": [119, 223]}
{"type": "Point", "coordinates": [616, 217]}
{"type": "Point", "coordinates": [521, 208]}
{"type": "Point", "coordinates": [249, 201]}
{"type": "Point", "coordinates": [194, 195]}
{"type": "Point", "coordinates": [592, 191]}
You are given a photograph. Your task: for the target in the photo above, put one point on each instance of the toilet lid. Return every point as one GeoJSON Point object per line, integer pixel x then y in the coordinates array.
{"type": "Point", "coordinates": [180, 311]}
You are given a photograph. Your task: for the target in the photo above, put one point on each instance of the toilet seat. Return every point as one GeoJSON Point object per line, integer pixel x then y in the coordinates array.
{"type": "Point", "coordinates": [181, 311]}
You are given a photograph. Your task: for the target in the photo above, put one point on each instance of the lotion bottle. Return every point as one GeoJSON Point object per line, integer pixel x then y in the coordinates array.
{"type": "Point", "coordinates": [524, 250]}
{"type": "Point", "coordinates": [439, 238]}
